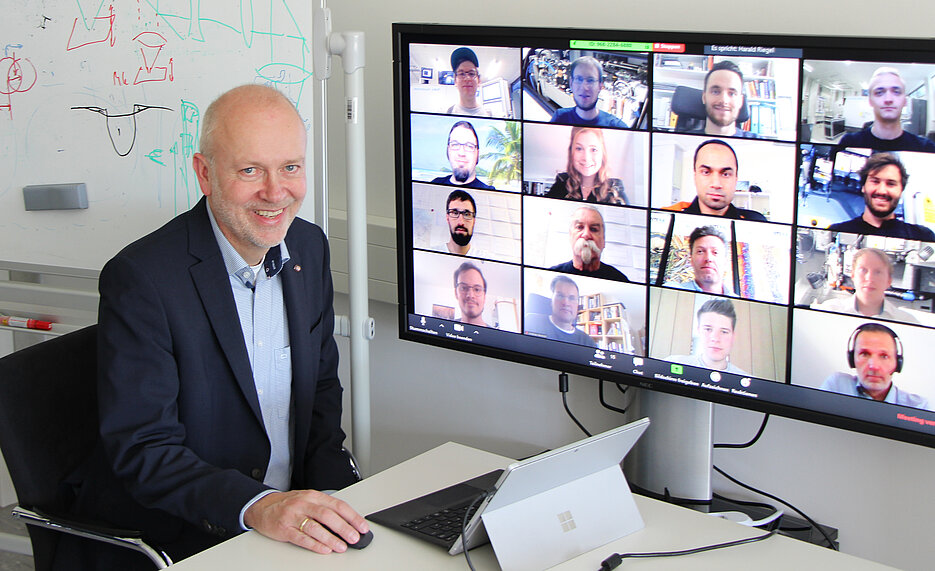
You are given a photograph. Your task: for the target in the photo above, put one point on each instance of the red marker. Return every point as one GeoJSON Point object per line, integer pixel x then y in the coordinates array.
{"type": "Point", "coordinates": [24, 322]}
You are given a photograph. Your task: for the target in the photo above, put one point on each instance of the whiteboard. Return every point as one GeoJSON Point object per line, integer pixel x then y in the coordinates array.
{"type": "Point", "coordinates": [110, 93]}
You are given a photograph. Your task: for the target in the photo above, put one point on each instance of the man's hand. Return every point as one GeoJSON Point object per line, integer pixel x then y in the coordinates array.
{"type": "Point", "coordinates": [298, 517]}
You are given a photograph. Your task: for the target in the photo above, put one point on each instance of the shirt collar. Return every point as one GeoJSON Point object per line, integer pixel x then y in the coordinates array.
{"type": "Point", "coordinates": [276, 257]}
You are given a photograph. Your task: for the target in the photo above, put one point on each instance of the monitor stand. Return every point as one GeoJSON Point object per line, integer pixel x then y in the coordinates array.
{"type": "Point", "coordinates": [673, 459]}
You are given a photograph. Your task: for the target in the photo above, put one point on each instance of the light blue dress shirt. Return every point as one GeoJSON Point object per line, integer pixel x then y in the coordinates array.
{"type": "Point", "coordinates": [259, 299]}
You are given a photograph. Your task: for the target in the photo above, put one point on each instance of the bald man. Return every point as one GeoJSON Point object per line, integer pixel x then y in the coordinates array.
{"type": "Point", "coordinates": [220, 405]}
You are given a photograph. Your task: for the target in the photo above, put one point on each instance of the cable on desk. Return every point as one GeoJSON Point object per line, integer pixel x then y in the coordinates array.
{"type": "Point", "coordinates": [563, 388]}
{"type": "Point", "coordinates": [812, 522]}
{"type": "Point", "coordinates": [749, 443]}
{"type": "Point", "coordinates": [616, 559]}
{"type": "Point", "coordinates": [464, 522]}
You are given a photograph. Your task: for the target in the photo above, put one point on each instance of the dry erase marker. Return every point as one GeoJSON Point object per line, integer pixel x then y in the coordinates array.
{"type": "Point", "coordinates": [24, 322]}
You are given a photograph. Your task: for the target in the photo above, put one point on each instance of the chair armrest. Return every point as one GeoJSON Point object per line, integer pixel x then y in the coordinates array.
{"type": "Point", "coordinates": [130, 539]}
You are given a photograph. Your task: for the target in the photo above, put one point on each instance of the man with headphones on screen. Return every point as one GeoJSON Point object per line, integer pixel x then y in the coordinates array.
{"type": "Point", "coordinates": [876, 353]}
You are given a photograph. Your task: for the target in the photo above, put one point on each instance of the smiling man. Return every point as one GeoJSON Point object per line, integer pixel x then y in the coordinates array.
{"type": "Point", "coordinates": [587, 81]}
{"type": "Point", "coordinates": [883, 178]}
{"type": "Point", "coordinates": [713, 339]}
{"type": "Point", "coordinates": [467, 79]}
{"type": "Point", "coordinates": [710, 256]}
{"type": "Point", "coordinates": [887, 97]}
{"type": "Point", "coordinates": [723, 101]}
{"type": "Point", "coordinates": [875, 353]}
{"type": "Point", "coordinates": [220, 405]}
{"type": "Point", "coordinates": [872, 275]}
{"type": "Point", "coordinates": [716, 166]}
{"type": "Point", "coordinates": [463, 151]}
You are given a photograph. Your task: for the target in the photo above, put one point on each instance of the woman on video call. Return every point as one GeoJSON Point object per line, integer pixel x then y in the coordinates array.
{"type": "Point", "coordinates": [585, 177]}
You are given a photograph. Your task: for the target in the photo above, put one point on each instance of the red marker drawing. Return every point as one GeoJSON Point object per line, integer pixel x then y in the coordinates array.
{"type": "Point", "coordinates": [24, 322]}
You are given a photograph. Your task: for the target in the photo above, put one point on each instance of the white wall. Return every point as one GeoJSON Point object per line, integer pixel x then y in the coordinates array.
{"type": "Point", "coordinates": [875, 491]}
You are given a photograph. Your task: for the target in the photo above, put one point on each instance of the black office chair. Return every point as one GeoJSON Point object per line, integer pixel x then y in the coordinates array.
{"type": "Point", "coordinates": [48, 427]}
{"type": "Point", "coordinates": [686, 103]}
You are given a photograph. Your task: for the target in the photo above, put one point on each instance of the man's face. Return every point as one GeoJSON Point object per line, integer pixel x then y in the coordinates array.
{"type": "Point", "coordinates": [564, 304]}
{"type": "Point", "coordinates": [462, 154]}
{"type": "Point", "coordinates": [882, 191]}
{"type": "Point", "coordinates": [587, 155]}
{"type": "Point", "coordinates": [471, 294]}
{"type": "Point", "coordinates": [587, 235]}
{"type": "Point", "coordinates": [717, 336]}
{"type": "Point", "coordinates": [871, 279]}
{"type": "Point", "coordinates": [723, 97]}
{"type": "Point", "coordinates": [467, 77]}
{"type": "Point", "coordinates": [585, 86]}
{"type": "Point", "coordinates": [256, 183]}
{"type": "Point", "coordinates": [461, 224]}
{"type": "Point", "coordinates": [875, 360]}
{"type": "Point", "coordinates": [715, 177]}
{"type": "Point", "coordinates": [887, 97]}
{"type": "Point", "coordinates": [707, 257]}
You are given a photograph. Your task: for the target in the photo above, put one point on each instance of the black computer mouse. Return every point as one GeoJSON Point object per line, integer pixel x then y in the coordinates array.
{"type": "Point", "coordinates": [364, 541]}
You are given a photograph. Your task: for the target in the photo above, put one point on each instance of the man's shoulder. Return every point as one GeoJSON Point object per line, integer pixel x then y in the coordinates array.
{"type": "Point", "coordinates": [567, 267]}
{"type": "Point", "coordinates": [565, 115]}
{"type": "Point", "coordinates": [853, 225]}
{"type": "Point", "coordinates": [605, 119]}
{"type": "Point", "coordinates": [608, 271]}
{"type": "Point", "coordinates": [745, 214]}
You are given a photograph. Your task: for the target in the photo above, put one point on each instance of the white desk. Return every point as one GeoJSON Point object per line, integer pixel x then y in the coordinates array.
{"type": "Point", "coordinates": [667, 528]}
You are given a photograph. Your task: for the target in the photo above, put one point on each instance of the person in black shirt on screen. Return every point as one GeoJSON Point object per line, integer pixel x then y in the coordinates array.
{"type": "Point", "coordinates": [463, 152]}
{"type": "Point", "coordinates": [586, 232]}
{"type": "Point", "coordinates": [882, 180]}
{"type": "Point", "coordinates": [887, 97]}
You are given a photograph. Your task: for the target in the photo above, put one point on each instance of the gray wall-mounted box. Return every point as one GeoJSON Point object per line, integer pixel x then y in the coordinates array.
{"type": "Point", "coordinates": [68, 196]}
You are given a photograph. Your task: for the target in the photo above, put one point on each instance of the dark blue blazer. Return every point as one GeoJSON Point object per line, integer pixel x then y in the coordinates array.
{"type": "Point", "coordinates": [180, 419]}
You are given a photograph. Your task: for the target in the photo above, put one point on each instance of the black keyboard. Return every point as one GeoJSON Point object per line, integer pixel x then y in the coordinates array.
{"type": "Point", "coordinates": [444, 524]}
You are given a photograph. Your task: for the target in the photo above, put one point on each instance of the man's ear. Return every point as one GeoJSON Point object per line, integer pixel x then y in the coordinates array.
{"type": "Point", "coordinates": [202, 170]}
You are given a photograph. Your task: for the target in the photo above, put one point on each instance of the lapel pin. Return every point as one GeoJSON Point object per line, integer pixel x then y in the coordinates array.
{"type": "Point", "coordinates": [297, 268]}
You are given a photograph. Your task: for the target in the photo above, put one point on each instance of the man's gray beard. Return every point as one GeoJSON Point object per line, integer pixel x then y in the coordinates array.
{"type": "Point", "coordinates": [462, 174]}
{"type": "Point", "coordinates": [587, 250]}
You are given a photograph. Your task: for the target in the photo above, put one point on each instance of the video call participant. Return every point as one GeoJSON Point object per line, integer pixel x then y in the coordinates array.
{"type": "Point", "coordinates": [205, 436]}
{"type": "Point", "coordinates": [710, 256]}
{"type": "Point", "coordinates": [587, 81]}
{"type": "Point", "coordinates": [887, 97]}
{"type": "Point", "coordinates": [467, 79]}
{"type": "Point", "coordinates": [586, 234]}
{"type": "Point", "coordinates": [585, 177]}
{"type": "Point", "coordinates": [723, 101]}
{"type": "Point", "coordinates": [715, 334]}
{"type": "Point", "coordinates": [875, 352]}
{"type": "Point", "coordinates": [882, 180]}
{"type": "Point", "coordinates": [471, 293]}
{"type": "Point", "coordinates": [460, 212]}
{"type": "Point", "coordinates": [716, 169]}
{"type": "Point", "coordinates": [872, 274]}
{"type": "Point", "coordinates": [560, 325]}
{"type": "Point", "coordinates": [463, 152]}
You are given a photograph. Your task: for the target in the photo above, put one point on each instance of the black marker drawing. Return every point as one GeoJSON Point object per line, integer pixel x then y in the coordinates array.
{"type": "Point", "coordinates": [122, 126]}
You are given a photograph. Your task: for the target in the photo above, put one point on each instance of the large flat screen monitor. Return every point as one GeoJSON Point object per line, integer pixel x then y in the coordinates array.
{"type": "Point", "coordinates": [740, 219]}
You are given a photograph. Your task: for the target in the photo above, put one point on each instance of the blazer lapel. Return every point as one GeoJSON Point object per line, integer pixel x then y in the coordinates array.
{"type": "Point", "coordinates": [213, 285]}
{"type": "Point", "coordinates": [296, 299]}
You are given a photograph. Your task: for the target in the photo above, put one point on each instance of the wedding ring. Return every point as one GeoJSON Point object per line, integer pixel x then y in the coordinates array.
{"type": "Point", "coordinates": [302, 525]}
